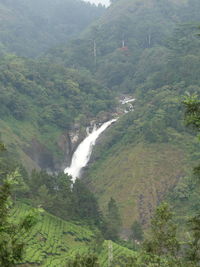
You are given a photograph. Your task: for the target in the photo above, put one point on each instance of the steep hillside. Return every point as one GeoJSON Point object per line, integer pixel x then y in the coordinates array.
{"type": "Point", "coordinates": [146, 153]}
{"type": "Point", "coordinates": [29, 28]}
{"type": "Point", "coordinates": [148, 49]}
{"type": "Point", "coordinates": [142, 158]}
{"type": "Point", "coordinates": [45, 109]}
{"type": "Point", "coordinates": [138, 177]}
{"type": "Point", "coordinates": [137, 47]}
{"type": "Point", "coordinates": [53, 242]}
{"type": "Point", "coordinates": [122, 38]}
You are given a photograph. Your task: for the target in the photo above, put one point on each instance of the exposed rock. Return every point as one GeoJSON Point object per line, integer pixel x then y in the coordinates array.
{"type": "Point", "coordinates": [40, 154]}
{"type": "Point", "coordinates": [68, 142]}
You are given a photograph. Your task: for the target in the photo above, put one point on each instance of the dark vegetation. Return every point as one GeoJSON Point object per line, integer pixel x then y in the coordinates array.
{"type": "Point", "coordinates": [41, 101]}
{"type": "Point", "coordinates": [59, 196]}
{"type": "Point", "coordinates": [56, 194]}
{"type": "Point", "coordinates": [11, 241]}
{"type": "Point", "coordinates": [53, 193]}
{"type": "Point", "coordinates": [29, 90]}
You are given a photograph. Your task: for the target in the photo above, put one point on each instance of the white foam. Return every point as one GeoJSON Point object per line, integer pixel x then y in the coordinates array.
{"type": "Point", "coordinates": [83, 152]}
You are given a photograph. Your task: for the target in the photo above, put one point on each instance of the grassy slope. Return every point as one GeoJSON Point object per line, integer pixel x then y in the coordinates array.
{"type": "Point", "coordinates": [17, 135]}
{"type": "Point", "coordinates": [138, 177]}
{"type": "Point", "coordinates": [13, 141]}
{"type": "Point", "coordinates": [53, 241]}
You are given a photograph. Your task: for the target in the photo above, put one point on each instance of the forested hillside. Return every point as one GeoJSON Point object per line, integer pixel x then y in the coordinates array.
{"type": "Point", "coordinates": [130, 34]}
{"type": "Point", "coordinates": [149, 150]}
{"type": "Point", "coordinates": [40, 102]}
{"type": "Point", "coordinates": [150, 50]}
{"type": "Point", "coordinates": [29, 28]}
{"type": "Point", "coordinates": [145, 49]}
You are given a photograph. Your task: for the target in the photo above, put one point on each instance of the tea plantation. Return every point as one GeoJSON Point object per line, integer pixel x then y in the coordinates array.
{"type": "Point", "coordinates": [52, 241]}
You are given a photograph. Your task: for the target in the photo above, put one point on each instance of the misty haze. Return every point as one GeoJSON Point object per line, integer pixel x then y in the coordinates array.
{"type": "Point", "coordinates": [96, 2]}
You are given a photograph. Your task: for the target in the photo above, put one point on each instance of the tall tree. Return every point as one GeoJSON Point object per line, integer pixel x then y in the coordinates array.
{"type": "Point", "coordinates": [137, 232]}
{"type": "Point", "coordinates": [162, 239]}
{"type": "Point", "coordinates": [86, 205]}
{"type": "Point", "coordinates": [113, 221]}
{"type": "Point", "coordinates": [11, 243]}
{"type": "Point", "coordinates": [192, 118]}
{"type": "Point", "coordinates": [192, 112]}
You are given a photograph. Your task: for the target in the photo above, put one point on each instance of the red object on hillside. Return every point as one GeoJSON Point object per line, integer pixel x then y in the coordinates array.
{"type": "Point", "coordinates": [124, 48]}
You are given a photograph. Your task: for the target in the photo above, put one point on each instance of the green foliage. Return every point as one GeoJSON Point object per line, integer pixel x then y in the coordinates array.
{"type": "Point", "coordinates": [192, 117]}
{"type": "Point", "coordinates": [192, 104]}
{"type": "Point", "coordinates": [163, 238]}
{"type": "Point", "coordinates": [26, 96]}
{"type": "Point", "coordinates": [52, 240]}
{"type": "Point", "coordinates": [11, 243]}
{"type": "Point", "coordinates": [148, 47]}
{"type": "Point", "coordinates": [157, 75]}
{"type": "Point", "coordinates": [158, 61]}
{"type": "Point", "coordinates": [113, 221]}
{"type": "Point", "coordinates": [137, 232]}
{"type": "Point", "coordinates": [193, 254]}
{"type": "Point", "coordinates": [85, 204]}
{"type": "Point", "coordinates": [156, 71]}
{"type": "Point", "coordinates": [55, 242]}
{"type": "Point", "coordinates": [84, 261]}
{"type": "Point", "coordinates": [57, 195]}
{"type": "Point", "coordinates": [2, 147]}
{"type": "Point", "coordinates": [149, 261]}
{"type": "Point", "coordinates": [43, 100]}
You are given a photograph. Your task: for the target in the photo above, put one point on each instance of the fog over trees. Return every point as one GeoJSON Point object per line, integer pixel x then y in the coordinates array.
{"type": "Point", "coordinates": [103, 2]}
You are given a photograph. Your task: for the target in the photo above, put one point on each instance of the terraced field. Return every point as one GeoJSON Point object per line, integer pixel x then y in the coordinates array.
{"type": "Point", "coordinates": [52, 242]}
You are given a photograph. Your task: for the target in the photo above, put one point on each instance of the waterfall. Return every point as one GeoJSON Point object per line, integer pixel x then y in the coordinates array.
{"type": "Point", "coordinates": [127, 100]}
{"type": "Point", "coordinates": [83, 152]}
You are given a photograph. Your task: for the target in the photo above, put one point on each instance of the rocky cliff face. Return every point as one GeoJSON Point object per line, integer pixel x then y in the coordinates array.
{"type": "Point", "coordinates": [39, 154]}
{"type": "Point", "coordinates": [68, 142]}
{"type": "Point", "coordinates": [58, 157]}
{"type": "Point", "coordinates": [42, 156]}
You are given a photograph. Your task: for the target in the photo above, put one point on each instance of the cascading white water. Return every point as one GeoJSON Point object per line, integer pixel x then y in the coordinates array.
{"type": "Point", "coordinates": [83, 152]}
{"type": "Point", "coordinates": [127, 100]}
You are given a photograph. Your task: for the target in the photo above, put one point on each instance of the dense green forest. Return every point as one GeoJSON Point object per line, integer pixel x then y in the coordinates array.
{"type": "Point", "coordinates": [88, 58]}
{"type": "Point", "coordinates": [28, 93]}
{"type": "Point", "coordinates": [29, 88]}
